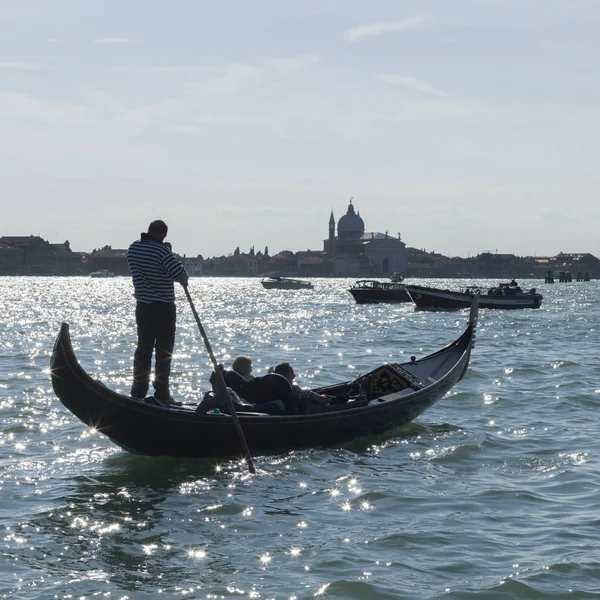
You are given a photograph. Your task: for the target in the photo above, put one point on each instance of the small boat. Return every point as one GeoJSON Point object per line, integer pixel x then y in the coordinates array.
{"type": "Point", "coordinates": [390, 395]}
{"type": "Point", "coordinates": [503, 296]}
{"type": "Point", "coordinates": [396, 277]}
{"type": "Point", "coordinates": [286, 283]}
{"type": "Point", "coordinates": [102, 273]}
{"type": "Point", "coordinates": [367, 291]}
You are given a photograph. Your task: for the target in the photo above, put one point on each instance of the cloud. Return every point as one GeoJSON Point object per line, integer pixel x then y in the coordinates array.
{"type": "Point", "coordinates": [152, 69]}
{"type": "Point", "coordinates": [376, 29]}
{"type": "Point", "coordinates": [228, 79]}
{"type": "Point", "coordinates": [100, 115]}
{"type": "Point", "coordinates": [232, 79]}
{"type": "Point", "coordinates": [410, 83]}
{"type": "Point", "coordinates": [114, 41]}
{"type": "Point", "coordinates": [21, 107]}
{"type": "Point", "coordinates": [136, 121]}
{"type": "Point", "coordinates": [559, 218]}
{"type": "Point", "coordinates": [289, 65]}
{"type": "Point", "coordinates": [167, 68]}
{"type": "Point", "coordinates": [18, 65]}
{"type": "Point", "coordinates": [26, 63]}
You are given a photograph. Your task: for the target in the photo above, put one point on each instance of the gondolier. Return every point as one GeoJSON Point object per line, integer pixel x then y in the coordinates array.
{"type": "Point", "coordinates": [154, 268]}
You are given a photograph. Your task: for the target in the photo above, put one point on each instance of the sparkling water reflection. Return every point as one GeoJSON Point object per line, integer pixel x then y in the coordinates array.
{"type": "Point", "coordinates": [491, 493]}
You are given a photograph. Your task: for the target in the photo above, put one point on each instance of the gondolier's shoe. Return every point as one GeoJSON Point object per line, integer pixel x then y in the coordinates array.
{"type": "Point", "coordinates": [170, 401]}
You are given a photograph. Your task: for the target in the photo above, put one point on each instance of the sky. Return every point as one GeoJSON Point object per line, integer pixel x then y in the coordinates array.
{"type": "Point", "coordinates": [465, 126]}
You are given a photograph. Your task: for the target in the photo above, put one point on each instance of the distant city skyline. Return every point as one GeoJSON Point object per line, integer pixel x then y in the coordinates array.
{"type": "Point", "coordinates": [353, 253]}
{"type": "Point", "coordinates": [468, 126]}
{"type": "Point", "coordinates": [272, 250]}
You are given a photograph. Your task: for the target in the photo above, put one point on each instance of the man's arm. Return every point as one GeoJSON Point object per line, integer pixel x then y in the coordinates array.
{"type": "Point", "coordinates": [309, 396]}
{"type": "Point", "coordinates": [174, 268]}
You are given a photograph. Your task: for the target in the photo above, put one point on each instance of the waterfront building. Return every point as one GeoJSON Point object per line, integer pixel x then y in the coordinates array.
{"type": "Point", "coordinates": [314, 263]}
{"type": "Point", "coordinates": [355, 252]}
{"type": "Point", "coordinates": [37, 254]}
{"type": "Point", "coordinates": [350, 266]}
{"type": "Point", "coordinates": [109, 259]}
{"type": "Point", "coordinates": [283, 263]}
{"type": "Point", "coordinates": [581, 262]}
{"type": "Point", "coordinates": [193, 266]}
{"type": "Point", "coordinates": [32, 255]}
{"type": "Point", "coordinates": [235, 265]}
{"type": "Point", "coordinates": [11, 259]}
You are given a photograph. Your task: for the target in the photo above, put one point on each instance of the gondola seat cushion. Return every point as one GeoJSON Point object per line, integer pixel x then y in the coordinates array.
{"type": "Point", "coordinates": [388, 379]}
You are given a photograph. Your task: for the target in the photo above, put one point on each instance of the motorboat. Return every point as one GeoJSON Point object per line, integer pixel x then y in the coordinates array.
{"type": "Point", "coordinates": [102, 273]}
{"type": "Point", "coordinates": [286, 283]}
{"type": "Point", "coordinates": [367, 291]}
{"type": "Point", "coordinates": [502, 296]}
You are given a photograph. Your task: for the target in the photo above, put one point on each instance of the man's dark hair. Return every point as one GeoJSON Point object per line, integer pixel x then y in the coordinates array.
{"type": "Point", "coordinates": [158, 228]}
{"type": "Point", "coordinates": [283, 368]}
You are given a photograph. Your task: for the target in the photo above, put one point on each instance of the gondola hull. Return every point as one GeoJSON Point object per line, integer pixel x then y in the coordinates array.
{"type": "Point", "coordinates": [143, 428]}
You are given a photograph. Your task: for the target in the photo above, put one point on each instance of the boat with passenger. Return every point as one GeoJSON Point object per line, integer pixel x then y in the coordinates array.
{"type": "Point", "coordinates": [390, 395]}
{"type": "Point", "coordinates": [503, 296]}
{"type": "Point", "coordinates": [285, 283]}
{"type": "Point", "coordinates": [367, 291]}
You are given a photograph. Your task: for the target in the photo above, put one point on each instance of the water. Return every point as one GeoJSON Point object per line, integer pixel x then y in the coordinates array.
{"type": "Point", "coordinates": [491, 494]}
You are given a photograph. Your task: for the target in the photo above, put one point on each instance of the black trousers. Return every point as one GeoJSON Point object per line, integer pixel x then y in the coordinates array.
{"type": "Point", "coordinates": [155, 331]}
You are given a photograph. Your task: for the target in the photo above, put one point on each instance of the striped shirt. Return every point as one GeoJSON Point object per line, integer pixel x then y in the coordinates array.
{"type": "Point", "coordinates": [303, 395]}
{"type": "Point", "coordinates": [153, 269]}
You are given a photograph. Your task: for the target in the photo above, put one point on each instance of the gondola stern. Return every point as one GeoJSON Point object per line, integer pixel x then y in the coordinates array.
{"type": "Point", "coordinates": [62, 345]}
{"type": "Point", "coordinates": [64, 330]}
{"type": "Point", "coordinates": [63, 364]}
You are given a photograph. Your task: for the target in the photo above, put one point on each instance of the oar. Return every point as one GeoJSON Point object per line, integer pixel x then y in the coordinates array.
{"type": "Point", "coordinates": [221, 387]}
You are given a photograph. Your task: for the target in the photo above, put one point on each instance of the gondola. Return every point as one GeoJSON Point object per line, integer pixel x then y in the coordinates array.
{"type": "Point", "coordinates": [390, 395]}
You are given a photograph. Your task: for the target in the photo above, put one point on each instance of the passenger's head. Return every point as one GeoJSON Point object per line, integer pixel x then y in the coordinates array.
{"type": "Point", "coordinates": [286, 370]}
{"type": "Point", "coordinates": [242, 364]}
{"type": "Point", "coordinates": [158, 229]}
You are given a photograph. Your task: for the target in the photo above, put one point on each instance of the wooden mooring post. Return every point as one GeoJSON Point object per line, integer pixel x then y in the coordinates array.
{"type": "Point", "coordinates": [565, 277]}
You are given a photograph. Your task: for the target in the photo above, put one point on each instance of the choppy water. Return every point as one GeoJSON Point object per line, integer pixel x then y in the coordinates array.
{"type": "Point", "coordinates": [491, 494]}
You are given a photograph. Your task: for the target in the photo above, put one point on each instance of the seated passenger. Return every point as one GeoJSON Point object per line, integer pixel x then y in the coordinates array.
{"type": "Point", "coordinates": [275, 393]}
{"type": "Point", "coordinates": [301, 396]}
{"type": "Point", "coordinates": [238, 376]}
{"type": "Point", "coordinates": [242, 365]}
{"type": "Point", "coordinates": [271, 394]}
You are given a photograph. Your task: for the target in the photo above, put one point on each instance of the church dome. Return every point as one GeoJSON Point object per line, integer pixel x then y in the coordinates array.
{"type": "Point", "coordinates": [350, 225]}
